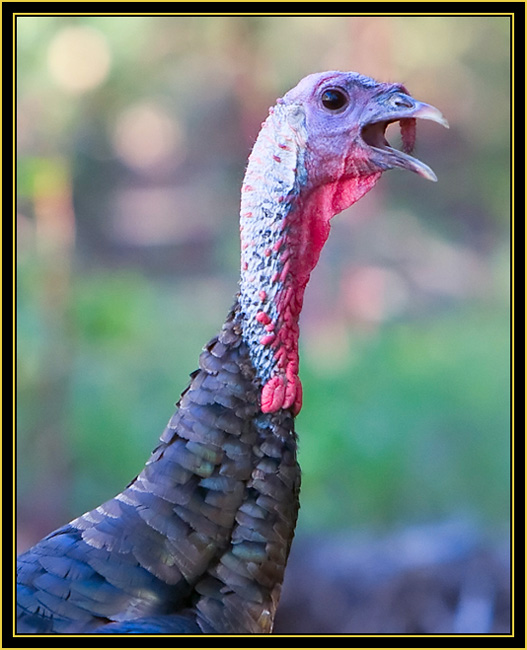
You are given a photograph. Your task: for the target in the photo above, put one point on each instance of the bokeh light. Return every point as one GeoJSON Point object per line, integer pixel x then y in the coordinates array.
{"type": "Point", "coordinates": [146, 136]}
{"type": "Point", "coordinates": [79, 59]}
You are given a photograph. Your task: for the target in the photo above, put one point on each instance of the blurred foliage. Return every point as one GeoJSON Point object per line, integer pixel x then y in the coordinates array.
{"type": "Point", "coordinates": [133, 134]}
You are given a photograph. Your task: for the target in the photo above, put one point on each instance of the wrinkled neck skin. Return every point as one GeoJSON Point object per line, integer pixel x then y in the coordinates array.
{"type": "Point", "coordinates": [284, 223]}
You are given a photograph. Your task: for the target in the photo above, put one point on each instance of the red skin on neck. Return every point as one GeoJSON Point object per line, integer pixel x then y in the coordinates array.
{"type": "Point", "coordinates": [308, 230]}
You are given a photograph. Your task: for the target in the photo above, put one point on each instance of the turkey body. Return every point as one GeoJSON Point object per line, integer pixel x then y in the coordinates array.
{"type": "Point", "coordinates": [217, 496]}
{"type": "Point", "coordinates": [198, 541]}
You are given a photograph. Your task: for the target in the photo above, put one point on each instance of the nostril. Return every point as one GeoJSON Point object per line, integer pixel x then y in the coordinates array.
{"type": "Point", "coordinates": [402, 102]}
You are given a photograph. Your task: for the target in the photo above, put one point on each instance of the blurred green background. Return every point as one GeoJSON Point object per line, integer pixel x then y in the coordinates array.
{"type": "Point", "coordinates": [133, 134]}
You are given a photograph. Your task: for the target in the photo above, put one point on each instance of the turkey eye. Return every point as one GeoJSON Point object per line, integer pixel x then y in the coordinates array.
{"type": "Point", "coordinates": [334, 99]}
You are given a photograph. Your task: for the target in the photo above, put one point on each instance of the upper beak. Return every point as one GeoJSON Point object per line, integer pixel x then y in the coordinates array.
{"type": "Point", "coordinates": [429, 112]}
{"type": "Point", "coordinates": [403, 108]}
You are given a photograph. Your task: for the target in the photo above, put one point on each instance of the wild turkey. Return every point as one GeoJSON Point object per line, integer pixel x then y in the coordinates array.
{"type": "Point", "coordinates": [198, 542]}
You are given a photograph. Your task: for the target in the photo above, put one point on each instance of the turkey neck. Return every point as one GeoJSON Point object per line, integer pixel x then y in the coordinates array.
{"type": "Point", "coordinates": [284, 223]}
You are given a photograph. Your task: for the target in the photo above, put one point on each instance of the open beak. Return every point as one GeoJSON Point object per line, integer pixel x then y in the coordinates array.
{"type": "Point", "coordinates": [403, 109]}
